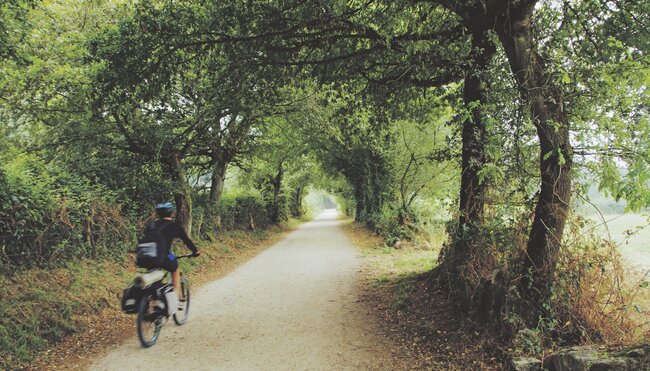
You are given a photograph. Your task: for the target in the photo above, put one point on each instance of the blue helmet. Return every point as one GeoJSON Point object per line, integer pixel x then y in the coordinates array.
{"type": "Point", "coordinates": [165, 209]}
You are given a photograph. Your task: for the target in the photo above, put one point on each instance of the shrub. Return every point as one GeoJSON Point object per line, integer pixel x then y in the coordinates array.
{"type": "Point", "coordinates": [594, 298]}
{"type": "Point", "coordinates": [244, 209]}
{"type": "Point", "coordinates": [431, 217]}
{"type": "Point", "coordinates": [48, 217]}
{"type": "Point", "coordinates": [424, 222]}
{"type": "Point", "coordinates": [281, 210]}
{"type": "Point", "coordinates": [594, 294]}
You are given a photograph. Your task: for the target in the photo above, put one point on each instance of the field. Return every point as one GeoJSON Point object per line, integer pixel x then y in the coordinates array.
{"type": "Point", "coordinates": [631, 232]}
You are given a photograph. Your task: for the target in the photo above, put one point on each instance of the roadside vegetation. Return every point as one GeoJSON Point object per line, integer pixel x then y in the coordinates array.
{"type": "Point", "coordinates": [438, 332]}
{"type": "Point", "coordinates": [428, 329]}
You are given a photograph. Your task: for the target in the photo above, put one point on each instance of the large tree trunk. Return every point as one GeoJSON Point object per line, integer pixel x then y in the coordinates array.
{"type": "Point", "coordinates": [472, 189]}
{"type": "Point", "coordinates": [181, 192]}
{"type": "Point", "coordinates": [218, 177]}
{"type": "Point", "coordinates": [219, 167]}
{"type": "Point", "coordinates": [556, 155]}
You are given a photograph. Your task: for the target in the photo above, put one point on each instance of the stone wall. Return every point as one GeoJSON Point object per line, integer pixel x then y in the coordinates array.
{"type": "Point", "coordinates": [588, 359]}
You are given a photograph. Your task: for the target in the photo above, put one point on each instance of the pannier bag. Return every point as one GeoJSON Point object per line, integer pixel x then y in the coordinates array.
{"type": "Point", "coordinates": [169, 299]}
{"type": "Point", "coordinates": [130, 298]}
{"type": "Point", "coordinates": [150, 252]}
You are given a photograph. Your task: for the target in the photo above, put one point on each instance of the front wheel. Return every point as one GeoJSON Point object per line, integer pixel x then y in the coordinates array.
{"type": "Point", "coordinates": [183, 303]}
{"type": "Point", "coordinates": [149, 321]}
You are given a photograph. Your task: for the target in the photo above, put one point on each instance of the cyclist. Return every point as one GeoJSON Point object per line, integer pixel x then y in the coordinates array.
{"type": "Point", "coordinates": [166, 213]}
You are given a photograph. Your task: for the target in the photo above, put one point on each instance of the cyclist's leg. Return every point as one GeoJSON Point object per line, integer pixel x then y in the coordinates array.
{"type": "Point", "coordinates": [176, 281]}
{"type": "Point", "coordinates": [172, 267]}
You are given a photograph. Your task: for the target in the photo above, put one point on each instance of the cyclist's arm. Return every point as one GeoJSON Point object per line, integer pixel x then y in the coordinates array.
{"type": "Point", "coordinates": [188, 242]}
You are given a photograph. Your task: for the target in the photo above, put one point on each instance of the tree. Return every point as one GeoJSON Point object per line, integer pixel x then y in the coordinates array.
{"type": "Point", "coordinates": [422, 154]}
{"type": "Point", "coordinates": [474, 140]}
{"type": "Point", "coordinates": [537, 79]}
{"type": "Point", "coordinates": [355, 145]}
{"type": "Point", "coordinates": [280, 165]}
{"type": "Point", "coordinates": [47, 90]}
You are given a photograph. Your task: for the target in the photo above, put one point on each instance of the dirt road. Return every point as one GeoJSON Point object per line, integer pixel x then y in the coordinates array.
{"type": "Point", "coordinates": [293, 307]}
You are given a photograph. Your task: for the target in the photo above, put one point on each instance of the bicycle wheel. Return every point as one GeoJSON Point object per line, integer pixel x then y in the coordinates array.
{"type": "Point", "coordinates": [149, 321]}
{"type": "Point", "coordinates": [183, 303]}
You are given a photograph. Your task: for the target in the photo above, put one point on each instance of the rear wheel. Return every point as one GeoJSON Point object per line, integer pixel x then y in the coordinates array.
{"type": "Point", "coordinates": [149, 321]}
{"type": "Point", "coordinates": [183, 303]}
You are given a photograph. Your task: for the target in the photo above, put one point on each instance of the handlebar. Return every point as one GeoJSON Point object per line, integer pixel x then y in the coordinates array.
{"type": "Point", "coordinates": [186, 256]}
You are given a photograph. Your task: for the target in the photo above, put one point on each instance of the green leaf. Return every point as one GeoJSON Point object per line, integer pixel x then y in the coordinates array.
{"type": "Point", "coordinates": [560, 157]}
{"type": "Point", "coordinates": [566, 79]}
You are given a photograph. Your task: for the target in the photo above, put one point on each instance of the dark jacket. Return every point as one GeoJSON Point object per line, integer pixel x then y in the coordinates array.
{"type": "Point", "coordinates": [172, 231]}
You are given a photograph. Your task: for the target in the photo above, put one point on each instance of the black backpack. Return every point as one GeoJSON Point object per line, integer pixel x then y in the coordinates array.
{"type": "Point", "coordinates": [150, 252]}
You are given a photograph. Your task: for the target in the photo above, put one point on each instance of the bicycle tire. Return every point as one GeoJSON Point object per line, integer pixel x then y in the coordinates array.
{"type": "Point", "coordinates": [149, 321]}
{"type": "Point", "coordinates": [184, 303]}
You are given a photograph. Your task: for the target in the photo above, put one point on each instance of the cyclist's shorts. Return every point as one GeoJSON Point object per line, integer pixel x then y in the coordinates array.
{"type": "Point", "coordinates": [170, 264]}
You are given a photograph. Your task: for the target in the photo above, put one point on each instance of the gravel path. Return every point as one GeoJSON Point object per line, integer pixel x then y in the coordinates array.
{"type": "Point", "coordinates": [293, 307]}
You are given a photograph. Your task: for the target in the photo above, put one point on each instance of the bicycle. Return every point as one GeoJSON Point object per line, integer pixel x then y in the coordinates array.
{"type": "Point", "coordinates": [154, 302]}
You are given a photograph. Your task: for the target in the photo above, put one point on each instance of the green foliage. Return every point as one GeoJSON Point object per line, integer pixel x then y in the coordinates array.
{"type": "Point", "coordinates": [48, 217]}
{"type": "Point", "coordinates": [424, 144]}
{"type": "Point", "coordinates": [387, 224]}
{"type": "Point", "coordinates": [318, 200]}
{"type": "Point", "coordinates": [603, 61]}
{"type": "Point", "coordinates": [422, 172]}
{"type": "Point", "coordinates": [12, 14]}
{"type": "Point", "coordinates": [243, 209]}
{"type": "Point", "coordinates": [528, 341]}
{"type": "Point", "coordinates": [429, 221]}
{"type": "Point", "coordinates": [280, 166]}
{"type": "Point", "coordinates": [354, 142]}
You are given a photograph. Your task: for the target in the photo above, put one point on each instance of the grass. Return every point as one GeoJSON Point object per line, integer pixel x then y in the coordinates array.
{"type": "Point", "coordinates": [391, 264]}
{"type": "Point", "coordinates": [405, 288]}
{"type": "Point", "coordinates": [40, 308]}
